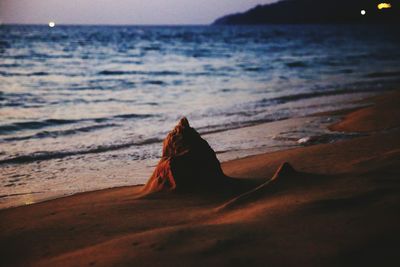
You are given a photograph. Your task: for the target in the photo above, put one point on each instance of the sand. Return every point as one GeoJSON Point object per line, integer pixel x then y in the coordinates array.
{"type": "Point", "coordinates": [340, 207]}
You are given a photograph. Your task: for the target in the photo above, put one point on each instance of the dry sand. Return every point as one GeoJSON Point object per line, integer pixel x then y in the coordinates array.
{"type": "Point", "coordinates": [342, 208]}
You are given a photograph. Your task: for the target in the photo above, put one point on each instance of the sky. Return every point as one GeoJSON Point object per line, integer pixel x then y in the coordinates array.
{"type": "Point", "coordinates": [153, 12]}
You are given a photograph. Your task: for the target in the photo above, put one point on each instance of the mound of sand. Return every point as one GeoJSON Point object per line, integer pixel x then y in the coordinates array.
{"type": "Point", "coordinates": [283, 176]}
{"type": "Point", "coordinates": [188, 163]}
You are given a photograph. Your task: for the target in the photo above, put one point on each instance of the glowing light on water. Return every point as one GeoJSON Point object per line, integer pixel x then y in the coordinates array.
{"type": "Point", "coordinates": [363, 12]}
{"type": "Point", "coordinates": [52, 24]}
{"type": "Point", "coordinates": [384, 5]}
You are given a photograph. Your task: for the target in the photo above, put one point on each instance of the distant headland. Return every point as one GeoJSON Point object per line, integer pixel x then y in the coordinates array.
{"type": "Point", "coordinates": [317, 12]}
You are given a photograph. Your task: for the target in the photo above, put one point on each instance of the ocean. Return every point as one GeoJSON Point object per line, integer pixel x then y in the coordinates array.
{"type": "Point", "coordinates": [87, 107]}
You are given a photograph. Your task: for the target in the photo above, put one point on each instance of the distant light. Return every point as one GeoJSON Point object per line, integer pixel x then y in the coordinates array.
{"type": "Point", "coordinates": [363, 12]}
{"type": "Point", "coordinates": [384, 5]}
{"type": "Point", "coordinates": [52, 24]}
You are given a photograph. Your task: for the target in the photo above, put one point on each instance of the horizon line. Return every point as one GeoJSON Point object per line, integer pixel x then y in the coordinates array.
{"type": "Point", "coordinates": [101, 24]}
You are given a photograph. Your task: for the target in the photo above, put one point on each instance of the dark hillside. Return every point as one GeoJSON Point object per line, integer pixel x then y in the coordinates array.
{"type": "Point", "coordinates": [315, 12]}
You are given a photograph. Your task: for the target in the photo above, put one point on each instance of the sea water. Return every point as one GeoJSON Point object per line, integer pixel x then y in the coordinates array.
{"type": "Point", "coordinates": [87, 107]}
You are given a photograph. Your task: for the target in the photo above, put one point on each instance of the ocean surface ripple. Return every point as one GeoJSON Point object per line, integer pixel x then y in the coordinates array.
{"type": "Point", "coordinates": [90, 94]}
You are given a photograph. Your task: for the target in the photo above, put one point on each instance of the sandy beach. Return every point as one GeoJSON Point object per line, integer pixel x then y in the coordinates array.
{"type": "Point", "coordinates": [340, 207]}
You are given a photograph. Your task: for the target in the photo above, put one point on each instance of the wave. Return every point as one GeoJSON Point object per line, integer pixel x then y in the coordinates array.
{"type": "Point", "coordinates": [49, 155]}
{"type": "Point", "coordinates": [85, 101]}
{"type": "Point", "coordinates": [326, 138]}
{"type": "Point", "coordinates": [297, 97]}
{"type": "Point", "coordinates": [154, 82]}
{"type": "Point", "coordinates": [134, 116]}
{"type": "Point", "coordinates": [253, 69]}
{"type": "Point", "coordinates": [39, 73]}
{"type": "Point", "coordinates": [19, 99]}
{"type": "Point", "coordinates": [9, 65]}
{"type": "Point", "coordinates": [383, 74]}
{"type": "Point", "coordinates": [151, 48]}
{"type": "Point", "coordinates": [33, 125]}
{"type": "Point", "coordinates": [59, 133]}
{"type": "Point", "coordinates": [116, 72]}
{"type": "Point", "coordinates": [4, 44]}
{"type": "Point", "coordinates": [152, 73]}
{"type": "Point", "coordinates": [36, 73]}
{"type": "Point", "coordinates": [296, 64]}
{"type": "Point", "coordinates": [10, 74]}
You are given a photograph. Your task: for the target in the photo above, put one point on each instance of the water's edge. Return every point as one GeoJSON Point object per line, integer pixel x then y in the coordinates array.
{"type": "Point", "coordinates": [272, 136]}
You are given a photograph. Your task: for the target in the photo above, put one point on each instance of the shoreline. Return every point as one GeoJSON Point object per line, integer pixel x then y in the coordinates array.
{"type": "Point", "coordinates": [340, 210]}
{"type": "Point", "coordinates": [302, 127]}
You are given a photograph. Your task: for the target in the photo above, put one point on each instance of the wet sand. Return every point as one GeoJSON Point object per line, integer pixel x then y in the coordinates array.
{"type": "Point", "coordinates": [341, 208]}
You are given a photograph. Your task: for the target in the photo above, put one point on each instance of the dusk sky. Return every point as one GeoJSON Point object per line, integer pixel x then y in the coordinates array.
{"type": "Point", "coordinates": [121, 11]}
